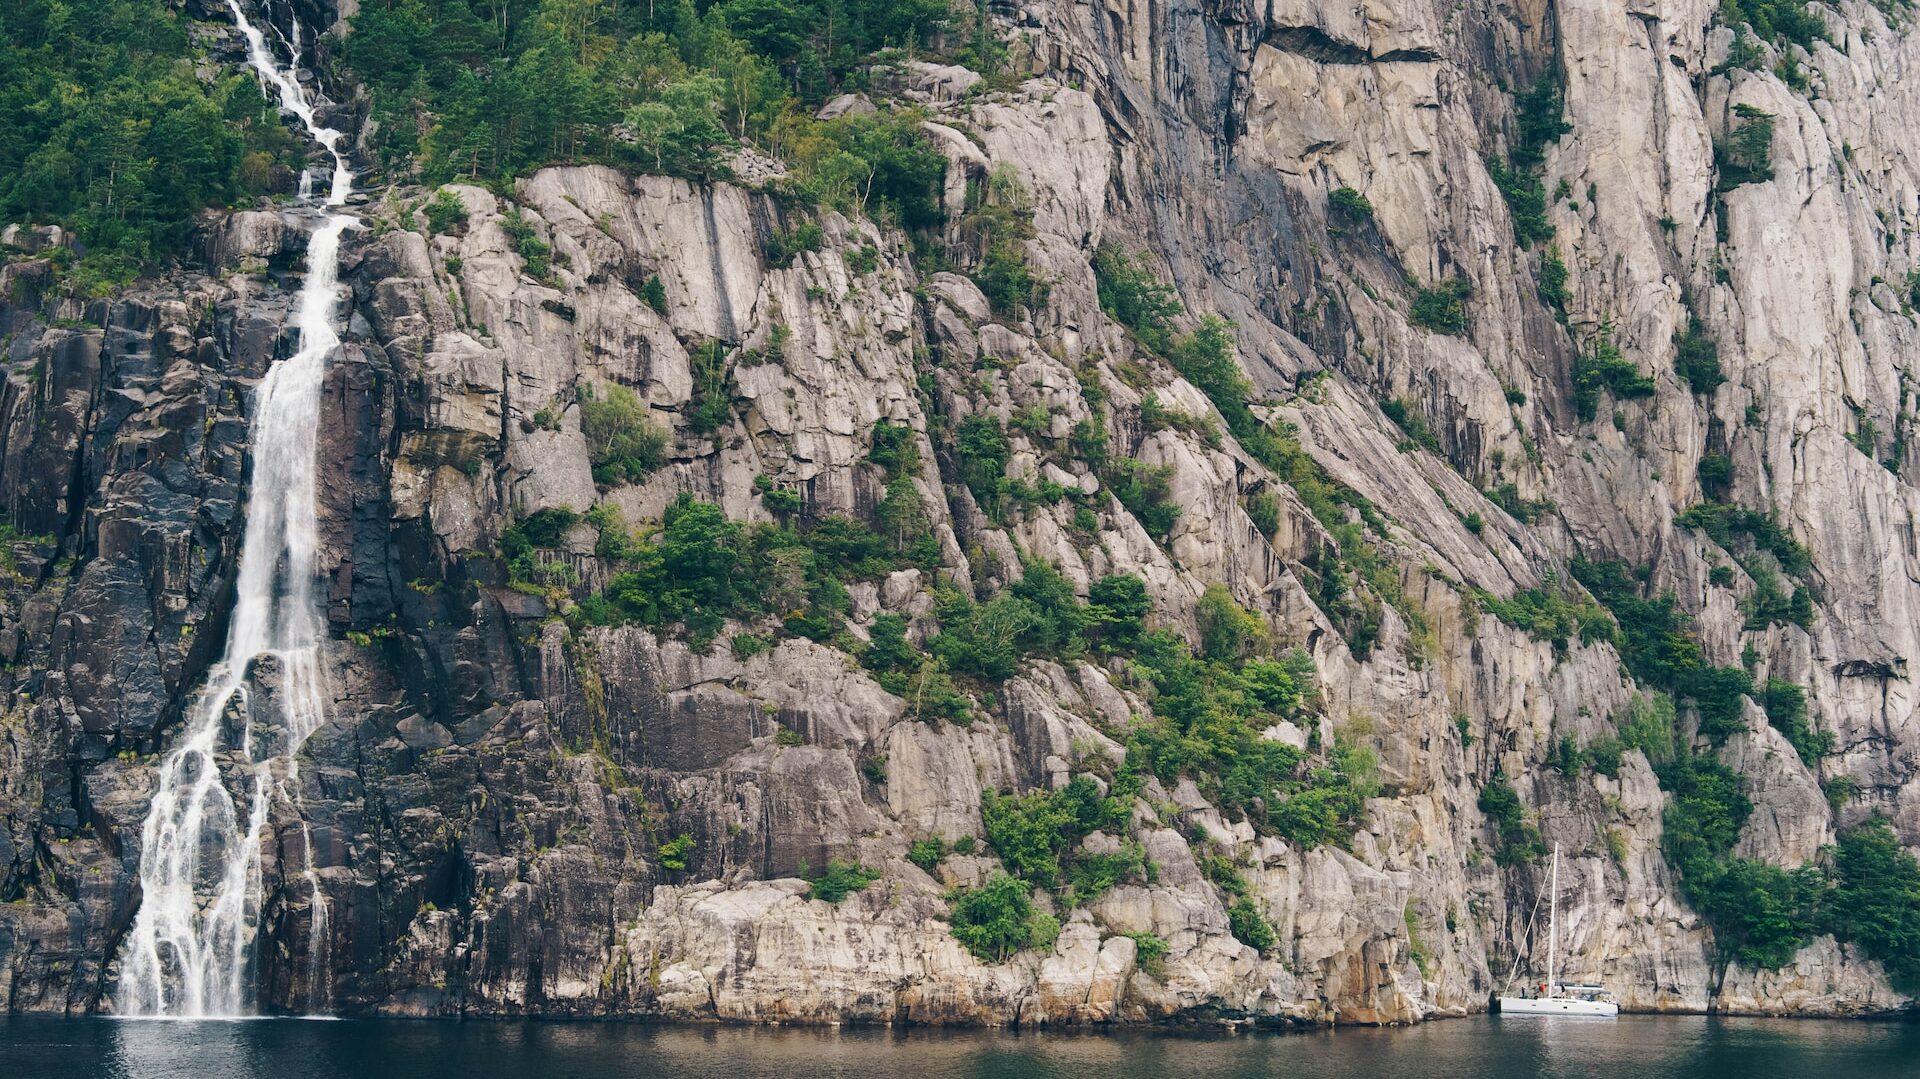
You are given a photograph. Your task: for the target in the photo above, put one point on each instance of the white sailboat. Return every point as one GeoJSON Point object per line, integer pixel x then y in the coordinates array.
{"type": "Point", "coordinates": [1555, 998]}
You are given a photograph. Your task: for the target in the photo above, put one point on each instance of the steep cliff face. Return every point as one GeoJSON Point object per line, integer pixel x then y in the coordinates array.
{"type": "Point", "coordinates": [490, 801]}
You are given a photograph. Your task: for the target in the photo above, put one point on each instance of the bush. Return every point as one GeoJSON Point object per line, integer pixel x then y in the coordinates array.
{"type": "Point", "coordinates": [654, 293]}
{"type": "Point", "coordinates": [1786, 706]}
{"type": "Point", "coordinates": [445, 212]}
{"type": "Point", "coordinates": [1876, 900]}
{"type": "Point", "coordinates": [1147, 492]}
{"type": "Point", "coordinates": [1443, 307]}
{"type": "Point", "coordinates": [1747, 155]}
{"type": "Point", "coordinates": [1133, 297]}
{"type": "Point", "coordinates": [623, 442]}
{"type": "Point", "coordinates": [1696, 357]}
{"type": "Point", "coordinates": [1228, 633]}
{"type": "Point", "coordinates": [1550, 614]}
{"type": "Point", "coordinates": [1349, 205]}
{"type": "Point", "coordinates": [525, 238]}
{"type": "Point", "coordinates": [1263, 510]}
{"type": "Point", "coordinates": [1149, 952]}
{"type": "Point", "coordinates": [1248, 925]}
{"type": "Point", "coordinates": [1030, 833]}
{"type": "Point", "coordinates": [1649, 727]}
{"type": "Point", "coordinates": [675, 853]}
{"type": "Point", "coordinates": [997, 919]}
{"type": "Point", "coordinates": [840, 880]}
{"type": "Point", "coordinates": [1409, 419]}
{"type": "Point", "coordinates": [1602, 367]}
{"type": "Point", "coordinates": [1519, 840]}
{"type": "Point", "coordinates": [784, 245]}
{"type": "Point", "coordinates": [927, 853]}
{"type": "Point", "coordinates": [1553, 285]}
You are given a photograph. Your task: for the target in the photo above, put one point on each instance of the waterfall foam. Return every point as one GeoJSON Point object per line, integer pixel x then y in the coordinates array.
{"type": "Point", "coordinates": [190, 951]}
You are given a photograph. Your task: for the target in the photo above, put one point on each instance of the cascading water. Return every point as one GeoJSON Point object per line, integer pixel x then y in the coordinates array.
{"type": "Point", "coordinates": [190, 951]}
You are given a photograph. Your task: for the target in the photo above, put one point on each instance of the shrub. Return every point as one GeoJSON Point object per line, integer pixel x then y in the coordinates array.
{"type": "Point", "coordinates": [1147, 492]}
{"type": "Point", "coordinates": [1649, 727]}
{"type": "Point", "coordinates": [1349, 205]}
{"type": "Point", "coordinates": [1747, 155]}
{"type": "Point", "coordinates": [1227, 632]}
{"type": "Point", "coordinates": [1715, 472]}
{"type": "Point", "coordinates": [526, 241]}
{"type": "Point", "coordinates": [1550, 613]}
{"type": "Point", "coordinates": [1149, 952]}
{"type": "Point", "coordinates": [840, 880]}
{"type": "Point", "coordinates": [1876, 899]}
{"type": "Point", "coordinates": [1410, 420]}
{"type": "Point", "coordinates": [1519, 840]}
{"type": "Point", "coordinates": [654, 292]}
{"type": "Point", "coordinates": [623, 442]}
{"type": "Point", "coordinates": [997, 919]}
{"type": "Point", "coordinates": [784, 245]}
{"type": "Point", "coordinates": [1696, 357]}
{"type": "Point", "coordinates": [927, 853]}
{"type": "Point", "coordinates": [1263, 510]}
{"type": "Point", "coordinates": [1602, 367]}
{"type": "Point", "coordinates": [1786, 706]}
{"type": "Point", "coordinates": [445, 212]}
{"type": "Point", "coordinates": [1030, 833]}
{"type": "Point", "coordinates": [1443, 307]}
{"type": "Point", "coordinates": [1131, 295]}
{"type": "Point", "coordinates": [1553, 284]}
{"type": "Point", "coordinates": [1248, 925]}
{"type": "Point", "coordinates": [674, 853]}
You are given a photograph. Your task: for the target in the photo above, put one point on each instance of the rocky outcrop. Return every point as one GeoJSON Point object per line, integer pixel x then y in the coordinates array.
{"type": "Point", "coordinates": [485, 812]}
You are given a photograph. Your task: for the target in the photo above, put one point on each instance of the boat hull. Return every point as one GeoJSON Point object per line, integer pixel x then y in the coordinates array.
{"type": "Point", "coordinates": [1557, 1006]}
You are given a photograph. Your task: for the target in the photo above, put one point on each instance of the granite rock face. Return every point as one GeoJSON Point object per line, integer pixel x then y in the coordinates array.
{"type": "Point", "coordinates": [489, 800]}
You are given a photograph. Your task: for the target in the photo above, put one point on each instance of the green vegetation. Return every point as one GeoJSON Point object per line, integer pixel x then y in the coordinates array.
{"type": "Point", "coordinates": [1726, 524]}
{"type": "Point", "coordinates": [623, 442]}
{"type": "Point", "coordinates": [462, 89]}
{"type": "Point", "coordinates": [1550, 613]}
{"type": "Point", "coordinates": [1875, 901]}
{"type": "Point", "coordinates": [674, 853]}
{"type": "Point", "coordinates": [1537, 120]}
{"type": "Point", "coordinates": [445, 213]}
{"type": "Point", "coordinates": [1661, 651]}
{"type": "Point", "coordinates": [997, 226]}
{"type": "Point", "coordinates": [927, 853]}
{"type": "Point", "coordinates": [1696, 358]}
{"type": "Point", "coordinates": [1786, 706]}
{"type": "Point", "coordinates": [1746, 157]}
{"type": "Point", "coordinates": [1131, 295]}
{"type": "Point", "coordinates": [998, 919]}
{"type": "Point", "coordinates": [1777, 21]}
{"type": "Point", "coordinates": [1149, 952]}
{"type": "Point", "coordinates": [839, 880]}
{"type": "Point", "coordinates": [1519, 838]}
{"type": "Point", "coordinates": [1410, 420]}
{"type": "Point", "coordinates": [1349, 206]}
{"type": "Point", "coordinates": [107, 129]}
{"type": "Point", "coordinates": [1442, 308]}
{"type": "Point", "coordinates": [1553, 288]}
{"type": "Point", "coordinates": [1602, 367]}
{"type": "Point", "coordinates": [701, 569]}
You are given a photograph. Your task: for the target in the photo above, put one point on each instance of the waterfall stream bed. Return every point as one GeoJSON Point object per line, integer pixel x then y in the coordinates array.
{"type": "Point", "coordinates": [190, 951]}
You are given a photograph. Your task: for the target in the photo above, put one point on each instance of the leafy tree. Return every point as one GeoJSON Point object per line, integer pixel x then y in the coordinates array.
{"type": "Point", "coordinates": [623, 442]}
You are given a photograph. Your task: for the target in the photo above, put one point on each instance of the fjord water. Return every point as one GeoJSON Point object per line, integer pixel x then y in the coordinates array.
{"type": "Point", "coordinates": [190, 950]}
{"type": "Point", "coordinates": [1636, 1047]}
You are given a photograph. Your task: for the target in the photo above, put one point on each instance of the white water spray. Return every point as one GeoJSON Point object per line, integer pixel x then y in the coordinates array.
{"type": "Point", "coordinates": [191, 948]}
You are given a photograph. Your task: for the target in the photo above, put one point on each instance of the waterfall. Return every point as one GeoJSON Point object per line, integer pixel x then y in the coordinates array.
{"type": "Point", "coordinates": [190, 951]}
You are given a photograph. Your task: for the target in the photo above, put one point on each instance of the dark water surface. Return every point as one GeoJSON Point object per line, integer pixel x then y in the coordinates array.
{"type": "Point", "coordinates": [1628, 1048]}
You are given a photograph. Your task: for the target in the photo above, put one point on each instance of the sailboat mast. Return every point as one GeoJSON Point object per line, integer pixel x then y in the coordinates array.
{"type": "Point", "coordinates": [1553, 920]}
